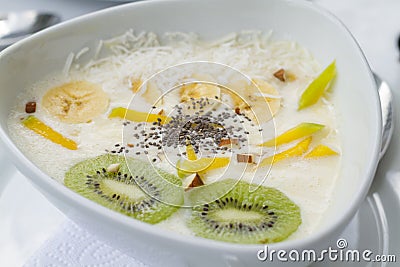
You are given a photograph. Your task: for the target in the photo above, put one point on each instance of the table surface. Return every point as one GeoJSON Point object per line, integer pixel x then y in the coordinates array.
{"type": "Point", "coordinates": [375, 25]}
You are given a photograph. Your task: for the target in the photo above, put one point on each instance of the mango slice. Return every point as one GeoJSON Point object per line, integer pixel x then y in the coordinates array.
{"type": "Point", "coordinates": [301, 130]}
{"type": "Point", "coordinates": [295, 151]}
{"type": "Point", "coordinates": [321, 151]}
{"type": "Point", "coordinates": [33, 123]}
{"type": "Point", "coordinates": [137, 116]}
{"type": "Point", "coordinates": [317, 87]}
{"type": "Point", "coordinates": [202, 165]}
{"type": "Point", "coordinates": [190, 153]}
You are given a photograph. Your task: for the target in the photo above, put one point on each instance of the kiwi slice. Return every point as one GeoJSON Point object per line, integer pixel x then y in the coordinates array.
{"type": "Point", "coordinates": [144, 193]}
{"type": "Point", "coordinates": [240, 212]}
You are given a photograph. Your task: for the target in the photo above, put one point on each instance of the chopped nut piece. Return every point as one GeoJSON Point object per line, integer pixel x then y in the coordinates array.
{"type": "Point", "coordinates": [130, 145]}
{"type": "Point", "coordinates": [247, 158]}
{"type": "Point", "coordinates": [30, 107]}
{"type": "Point", "coordinates": [231, 141]}
{"type": "Point", "coordinates": [195, 182]}
{"type": "Point", "coordinates": [237, 111]}
{"type": "Point", "coordinates": [280, 74]}
{"type": "Point", "coordinates": [113, 168]}
{"type": "Point", "coordinates": [161, 112]}
{"type": "Point", "coordinates": [225, 142]}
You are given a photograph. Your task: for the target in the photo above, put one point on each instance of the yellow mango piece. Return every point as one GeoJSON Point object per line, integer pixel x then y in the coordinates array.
{"type": "Point", "coordinates": [190, 153]}
{"type": "Point", "coordinates": [137, 116]}
{"type": "Point", "coordinates": [33, 123]}
{"type": "Point", "coordinates": [321, 151]}
{"type": "Point", "coordinates": [317, 87]}
{"type": "Point", "coordinates": [295, 151]}
{"type": "Point", "coordinates": [202, 165]}
{"type": "Point", "coordinates": [302, 130]}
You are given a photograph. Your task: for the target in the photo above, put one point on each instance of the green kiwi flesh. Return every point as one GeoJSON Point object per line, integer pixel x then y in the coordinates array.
{"type": "Point", "coordinates": [137, 189]}
{"type": "Point", "coordinates": [240, 212]}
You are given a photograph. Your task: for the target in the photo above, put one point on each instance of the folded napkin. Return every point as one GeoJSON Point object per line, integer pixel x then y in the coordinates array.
{"type": "Point", "coordinates": [75, 247]}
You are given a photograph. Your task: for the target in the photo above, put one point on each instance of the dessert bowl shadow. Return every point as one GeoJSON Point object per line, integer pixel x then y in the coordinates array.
{"type": "Point", "coordinates": [355, 99]}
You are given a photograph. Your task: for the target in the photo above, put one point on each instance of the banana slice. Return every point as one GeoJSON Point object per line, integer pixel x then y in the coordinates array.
{"type": "Point", "coordinates": [200, 96]}
{"type": "Point", "coordinates": [199, 90]}
{"type": "Point", "coordinates": [258, 104]}
{"type": "Point", "coordinates": [76, 102]}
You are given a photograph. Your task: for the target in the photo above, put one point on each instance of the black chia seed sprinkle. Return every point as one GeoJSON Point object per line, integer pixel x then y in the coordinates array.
{"type": "Point", "coordinates": [203, 129]}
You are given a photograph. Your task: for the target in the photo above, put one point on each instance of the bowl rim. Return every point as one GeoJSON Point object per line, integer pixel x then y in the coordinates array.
{"type": "Point", "coordinates": [52, 187]}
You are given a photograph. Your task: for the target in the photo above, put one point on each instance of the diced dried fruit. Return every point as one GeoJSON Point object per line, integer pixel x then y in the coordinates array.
{"type": "Point", "coordinates": [295, 151]}
{"type": "Point", "coordinates": [321, 151]}
{"type": "Point", "coordinates": [302, 130]}
{"type": "Point", "coordinates": [317, 87]}
{"type": "Point", "coordinates": [245, 158]}
{"type": "Point", "coordinates": [280, 75]}
{"type": "Point", "coordinates": [33, 123]}
{"type": "Point", "coordinates": [30, 107]}
{"type": "Point", "coordinates": [137, 116]}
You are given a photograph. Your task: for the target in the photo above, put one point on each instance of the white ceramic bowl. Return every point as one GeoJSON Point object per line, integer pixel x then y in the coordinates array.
{"type": "Point", "coordinates": [355, 99]}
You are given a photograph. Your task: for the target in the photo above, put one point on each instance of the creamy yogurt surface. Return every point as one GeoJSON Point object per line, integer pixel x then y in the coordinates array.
{"type": "Point", "coordinates": [119, 63]}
